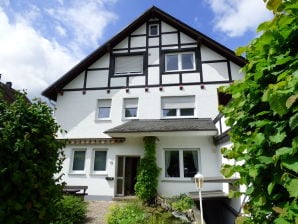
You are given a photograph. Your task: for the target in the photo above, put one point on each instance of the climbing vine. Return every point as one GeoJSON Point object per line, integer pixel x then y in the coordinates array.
{"type": "Point", "coordinates": [147, 178]}
{"type": "Point", "coordinates": [263, 115]}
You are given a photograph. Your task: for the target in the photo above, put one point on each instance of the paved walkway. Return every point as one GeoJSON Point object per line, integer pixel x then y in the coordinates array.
{"type": "Point", "coordinates": [97, 211]}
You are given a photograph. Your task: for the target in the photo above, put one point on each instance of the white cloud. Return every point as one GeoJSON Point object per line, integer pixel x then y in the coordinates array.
{"type": "Point", "coordinates": [86, 21]}
{"type": "Point", "coordinates": [235, 17]}
{"type": "Point", "coordinates": [27, 59]}
{"type": "Point", "coordinates": [33, 59]}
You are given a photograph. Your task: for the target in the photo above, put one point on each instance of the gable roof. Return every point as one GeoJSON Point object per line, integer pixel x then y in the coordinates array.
{"type": "Point", "coordinates": [8, 94]}
{"type": "Point", "coordinates": [154, 12]}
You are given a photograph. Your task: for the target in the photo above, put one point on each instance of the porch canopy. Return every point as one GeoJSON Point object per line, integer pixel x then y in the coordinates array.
{"type": "Point", "coordinates": [165, 127]}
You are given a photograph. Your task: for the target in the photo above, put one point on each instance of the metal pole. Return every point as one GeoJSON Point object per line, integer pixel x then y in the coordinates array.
{"type": "Point", "coordinates": [201, 207]}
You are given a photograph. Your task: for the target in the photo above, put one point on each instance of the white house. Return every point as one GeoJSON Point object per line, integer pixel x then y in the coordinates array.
{"type": "Point", "coordinates": [157, 77]}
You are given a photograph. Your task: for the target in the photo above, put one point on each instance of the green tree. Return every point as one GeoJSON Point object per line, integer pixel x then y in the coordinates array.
{"type": "Point", "coordinates": [29, 158]}
{"type": "Point", "coordinates": [148, 171]}
{"type": "Point", "coordinates": [264, 120]}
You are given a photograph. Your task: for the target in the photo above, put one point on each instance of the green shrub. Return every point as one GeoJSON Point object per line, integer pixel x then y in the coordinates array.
{"type": "Point", "coordinates": [126, 214]}
{"type": "Point", "coordinates": [182, 203]}
{"type": "Point", "coordinates": [72, 209]}
{"type": "Point", "coordinates": [29, 157]}
{"type": "Point", "coordinates": [148, 171]}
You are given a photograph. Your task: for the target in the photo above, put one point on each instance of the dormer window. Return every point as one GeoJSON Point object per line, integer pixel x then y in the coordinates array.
{"type": "Point", "coordinates": [153, 30]}
{"type": "Point", "coordinates": [129, 64]}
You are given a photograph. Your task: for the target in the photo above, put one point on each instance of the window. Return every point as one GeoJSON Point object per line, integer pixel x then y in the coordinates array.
{"type": "Point", "coordinates": [104, 109]}
{"type": "Point", "coordinates": [130, 107]}
{"type": "Point", "coordinates": [181, 163]}
{"type": "Point", "coordinates": [129, 64]}
{"type": "Point", "coordinates": [99, 160]}
{"type": "Point", "coordinates": [78, 163]}
{"type": "Point", "coordinates": [178, 106]}
{"type": "Point", "coordinates": [153, 30]}
{"type": "Point", "coordinates": [180, 62]}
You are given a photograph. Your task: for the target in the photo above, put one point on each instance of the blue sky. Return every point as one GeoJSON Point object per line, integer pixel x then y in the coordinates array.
{"type": "Point", "coordinates": [40, 40]}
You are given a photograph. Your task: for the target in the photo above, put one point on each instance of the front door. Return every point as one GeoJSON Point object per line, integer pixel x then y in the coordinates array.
{"type": "Point", "coordinates": [126, 175]}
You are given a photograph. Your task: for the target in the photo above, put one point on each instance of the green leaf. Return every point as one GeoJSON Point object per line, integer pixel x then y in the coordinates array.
{"type": "Point", "coordinates": [277, 103]}
{"type": "Point", "coordinates": [293, 121]}
{"type": "Point", "coordinates": [278, 137]}
{"type": "Point", "coordinates": [253, 172]}
{"type": "Point", "coordinates": [241, 220]}
{"type": "Point", "coordinates": [227, 171]}
{"type": "Point", "coordinates": [291, 100]}
{"type": "Point", "coordinates": [240, 50]}
{"type": "Point", "coordinates": [270, 188]}
{"type": "Point", "coordinates": [291, 164]}
{"type": "Point", "coordinates": [273, 5]}
{"type": "Point", "coordinates": [265, 159]}
{"type": "Point", "coordinates": [284, 151]}
{"type": "Point", "coordinates": [281, 220]}
{"type": "Point", "coordinates": [292, 187]}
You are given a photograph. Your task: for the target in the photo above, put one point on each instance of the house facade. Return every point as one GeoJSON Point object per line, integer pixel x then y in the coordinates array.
{"type": "Point", "coordinates": [157, 77]}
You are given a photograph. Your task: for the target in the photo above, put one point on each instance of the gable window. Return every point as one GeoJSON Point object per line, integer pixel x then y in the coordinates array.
{"type": "Point", "coordinates": [153, 30]}
{"type": "Point", "coordinates": [99, 161]}
{"type": "Point", "coordinates": [181, 163]}
{"type": "Point", "coordinates": [104, 109]}
{"type": "Point", "coordinates": [184, 61]}
{"type": "Point", "coordinates": [178, 106]}
{"type": "Point", "coordinates": [78, 162]}
{"type": "Point", "coordinates": [129, 64]}
{"type": "Point", "coordinates": [130, 107]}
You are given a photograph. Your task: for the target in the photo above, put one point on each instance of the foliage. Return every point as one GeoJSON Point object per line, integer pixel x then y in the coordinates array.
{"type": "Point", "coordinates": [72, 210]}
{"type": "Point", "coordinates": [126, 214]}
{"type": "Point", "coordinates": [134, 212]}
{"type": "Point", "coordinates": [264, 120]}
{"type": "Point", "coordinates": [148, 171]}
{"type": "Point", "coordinates": [182, 203]}
{"type": "Point", "coordinates": [29, 157]}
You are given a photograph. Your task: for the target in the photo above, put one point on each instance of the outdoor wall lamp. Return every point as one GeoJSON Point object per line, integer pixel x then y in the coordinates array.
{"type": "Point", "coordinates": [199, 179]}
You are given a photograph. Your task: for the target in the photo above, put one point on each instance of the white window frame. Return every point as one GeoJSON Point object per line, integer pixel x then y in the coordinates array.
{"type": "Point", "coordinates": [178, 109]}
{"type": "Point", "coordinates": [71, 171]}
{"type": "Point", "coordinates": [97, 172]}
{"type": "Point", "coordinates": [151, 25]}
{"type": "Point", "coordinates": [125, 107]}
{"type": "Point", "coordinates": [181, 165]}
{"type": "Point", "coordinates": [98, 106]}
{"type": "Point", "coordinates": [179, 54]}
{"type": "Point", "coordinates": [129, 72]}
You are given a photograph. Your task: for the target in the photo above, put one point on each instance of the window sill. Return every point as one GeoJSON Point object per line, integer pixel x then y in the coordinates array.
{"type": "Point", "coordinates": [103, 119]}
{"type": "Point", "coordinates": [77, 173]}
{"type": "Point", "coordinates": [99, 173]}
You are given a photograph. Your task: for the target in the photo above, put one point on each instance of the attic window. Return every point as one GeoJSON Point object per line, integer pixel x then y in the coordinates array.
{"type": "Point", "coordinates": [153, 30]}
{"type": "Point", "coordinates": [129, 64]}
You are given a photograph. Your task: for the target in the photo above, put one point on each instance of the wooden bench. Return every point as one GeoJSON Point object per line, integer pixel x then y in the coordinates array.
{"type": "Point", "coordinates": [75, 190]}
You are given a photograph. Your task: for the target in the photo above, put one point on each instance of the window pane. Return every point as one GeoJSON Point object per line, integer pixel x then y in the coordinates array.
{"type": "Point", "coordinates": [153, 30]}
{"type": "Point", "coordinates": [172, 164]}
{"type": "Point", "coordinates": [171, 62]}
{"type": "Point", "coordinates": [190, 161]}
{"type": "Point", "coordinates": [104, 112]}
{"type": "Point", "coordinates": [187, 61]}
{"type": "Point", "coordinates": [186, 111]}
{"type": "Point", "coordinates": [131, 112]}
{"type": "Point", "coordinates": [169, 112]}
{"type": "Point", "coordinates": [100, 160]}
{"type": "Point", "coordinates": [78, 160]}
